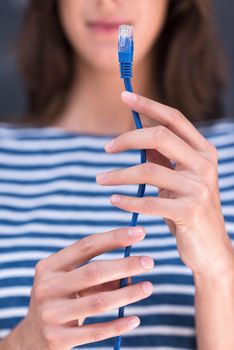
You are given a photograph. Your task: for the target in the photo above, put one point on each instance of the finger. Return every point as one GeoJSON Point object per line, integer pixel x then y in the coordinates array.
{"type": "Point", "coordinates": [91, 246]}
{"type": "Point", "coordinates": [160, 138]}
{"type": "Point", "coordinates": [147, 173]}
{"type": "Point", "coordinates": [154, 156]}
{"type": "Point", "coordinates": [168, 117]}
{"type": "Point", "coordinates": [97, 272]}
{"type": "Point", "coordinates": [96, 332]}
{"type": "Point", "coordinates": [104, 287]}
{"type": "Point", "coordinates": [73, 309]}
{"type": "Point", "coordinates": [164, 207]}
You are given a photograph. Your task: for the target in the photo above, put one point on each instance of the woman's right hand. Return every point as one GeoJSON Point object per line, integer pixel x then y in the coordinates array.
{"type": "Point", "coordinates": [51, 322]}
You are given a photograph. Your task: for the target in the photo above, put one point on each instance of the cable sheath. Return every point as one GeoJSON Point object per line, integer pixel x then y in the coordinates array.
{"type": "Point", "coordinates": [140, 193]}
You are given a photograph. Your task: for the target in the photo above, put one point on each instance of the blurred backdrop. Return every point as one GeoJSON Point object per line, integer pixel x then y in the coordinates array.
{"type": "Point", "coordinates": [12, 98]}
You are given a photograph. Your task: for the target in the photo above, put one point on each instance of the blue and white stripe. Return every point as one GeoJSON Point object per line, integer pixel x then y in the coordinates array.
{"type": "Point", "coordinates": [49, 199]}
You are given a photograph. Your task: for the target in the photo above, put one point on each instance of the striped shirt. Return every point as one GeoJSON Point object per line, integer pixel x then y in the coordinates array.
{"type": "Point", "coordinates": [49, 199]}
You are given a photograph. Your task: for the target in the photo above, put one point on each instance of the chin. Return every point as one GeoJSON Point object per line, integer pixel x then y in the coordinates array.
{"type": "Point", "coordinates": [106, 61]}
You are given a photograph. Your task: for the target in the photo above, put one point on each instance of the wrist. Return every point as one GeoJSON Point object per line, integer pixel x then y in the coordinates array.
{"type": "Point", "coordinates": [10, 343]}
{"type": "Point", "coordinates": [214, 306]}
{"type": "Point", "coordinates": [16, 339]}
{"type": "Point", "coordinates": [221, 276]}
{"type": "Point", "coordinates": [221, 269]}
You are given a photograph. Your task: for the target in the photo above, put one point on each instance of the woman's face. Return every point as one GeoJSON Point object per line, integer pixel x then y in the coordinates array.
{"type": "Point", "coordinates": [96, 43]}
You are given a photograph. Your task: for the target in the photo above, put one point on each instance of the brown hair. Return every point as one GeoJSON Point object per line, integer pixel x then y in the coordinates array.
{"type": "Point", "coordinates": [189, 61]}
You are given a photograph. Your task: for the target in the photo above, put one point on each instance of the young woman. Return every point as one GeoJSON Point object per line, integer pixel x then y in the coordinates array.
{"type": "Point", "coordinates": [56, 213]}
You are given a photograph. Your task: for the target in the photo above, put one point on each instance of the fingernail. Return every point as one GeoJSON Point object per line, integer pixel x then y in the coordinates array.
{"type": "Point", "coordinates": [115, 198]}
{"type": "Point", "coordinates": [147, 287]}
{"type": "Point", "coordinates": [130, 96]}
{"type": "Point", "coordinates": [136, 231]}
{"type": "Point", "coordinates": [110, 145]}
{"type": "Point", "coordinates": [101, 177]}
{"type": "Point", "coordinates": [134, 322]}
{"type": "Point", "coordinates": [147, 262]}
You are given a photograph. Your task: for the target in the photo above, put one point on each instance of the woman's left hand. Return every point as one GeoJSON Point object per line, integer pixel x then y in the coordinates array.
{"type": "Point", "coordinates": [189, 198]}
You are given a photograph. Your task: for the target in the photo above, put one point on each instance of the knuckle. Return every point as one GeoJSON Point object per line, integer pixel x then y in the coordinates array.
{"type": "Point", "coordinates": [199, 187]}
{"type": "Point", "coordinates": [45, 314]}
{"type": "Point", "coordinates": [119, 328]}
{"type": "Point", "coordinates": [42, 288]}
{"type": "Point", "coordinates": [131, 263]}
{"type": "Point", "coordinates": [40, 292]}
{"type": "Point", "coordinates": [213, 151]}
{"type": "Point", "coordinates": [92, 272]}
{"type": "Point", "coordinates": [160, 132]}
{"type": "Point", "coordinates": [119, 236]}
{"type": "Point", "coordinates": [145, 105]}
{"type": "Point", "coordinates": [193, 210]}
{"type": "Point", "coordinates": [98, 334]}
{"type": "Point", "coordinates": [147, 169]}
{"type": "Point", "coordinates": [176, 113]}
{"type": "Point", "coordinates": [85, 244]}
{"type": "Point", "coordinates": [205, 166]}
{"type": "Point", "coordinates": [208, 171]}
{"type": "Point", "coordinates": [149, 204]}
{"type": "Point", "coordinates": [97, 304]}
{"type": "Point", "coordinates": [204, 194]}
{"type": "Point", "coordinates": [211, 168]}
{"type": "Point", "coordinates": [50, 338]}
{"type": "Point", "coordinates": [41, 267]}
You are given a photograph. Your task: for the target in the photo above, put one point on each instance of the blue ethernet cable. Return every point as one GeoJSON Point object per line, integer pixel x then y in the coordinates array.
{"type": "Point", "coordinates": [125, 54]}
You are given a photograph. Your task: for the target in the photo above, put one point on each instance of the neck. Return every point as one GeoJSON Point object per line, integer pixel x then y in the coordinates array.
{"type": "Point", "coordinates": [94, 105]}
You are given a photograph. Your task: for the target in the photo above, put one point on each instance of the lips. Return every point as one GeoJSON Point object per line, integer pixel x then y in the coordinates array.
{"type": "Point", "coordinates": [105, 26]}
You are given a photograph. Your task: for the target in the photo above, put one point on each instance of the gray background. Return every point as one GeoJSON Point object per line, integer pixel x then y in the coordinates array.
{"type": "Point", "coordinates": [12, 99]}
